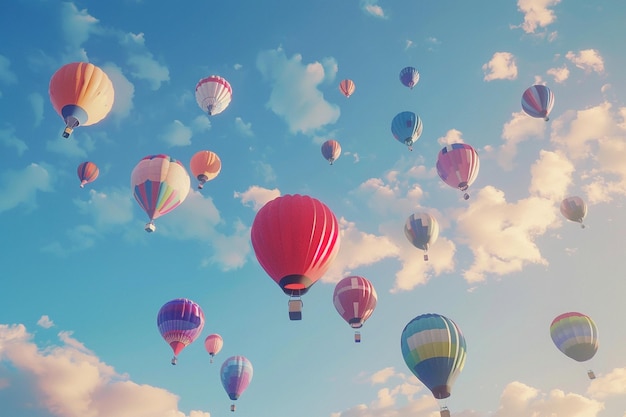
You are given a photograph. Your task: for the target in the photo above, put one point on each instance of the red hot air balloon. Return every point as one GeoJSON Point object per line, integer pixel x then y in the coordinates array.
{"type": "Point", "coordinates": [295, 239]}
{"type": "Point", "coordinates": [213, 344]}
{"type": "Point", "coordinates": [355, 300]}
{"type": "Point", "coordinates": [87, 172]}
{"type": "Point", "coordinates": [180, 322]}
{"type": "Point", "coordinates": [82, 94]}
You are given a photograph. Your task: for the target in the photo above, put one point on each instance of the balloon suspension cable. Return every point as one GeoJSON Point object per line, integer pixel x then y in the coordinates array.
{"type": "Point", "coordinates": [174, 360]}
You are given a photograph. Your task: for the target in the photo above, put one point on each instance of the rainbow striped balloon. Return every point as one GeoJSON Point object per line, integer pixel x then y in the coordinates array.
{"type": "Point", "coordinates": [576, 335]}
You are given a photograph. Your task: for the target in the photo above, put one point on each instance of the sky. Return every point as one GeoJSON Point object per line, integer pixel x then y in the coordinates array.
{"type": "Point", "coordinates": [82, 281]}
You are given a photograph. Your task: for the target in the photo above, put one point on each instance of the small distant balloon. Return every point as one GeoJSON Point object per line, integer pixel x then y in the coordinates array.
{"type": "Point", "coordinates": [180, 322]}
{"type": "Point", "coordinates": [87, 172]}
{"type": "Point", "coordinates": [82, 94]}
{"type": "Point", "coordinates": [537, 101]}
{"type": "Point", "coordinates": [409, 77]}
{"type": "Point", "coordinates": [213, 94]}
{"type": "Point", "coordinates": [213, 344]}
{"type": "Point", "coordinates": [347, 87]}
{"type": "Point", "coordinates": [355, 300]}
{"type": "Point", "coordinates": [331, 150]}
{"type": "Point", "coordinates": [575, 209]}
{"type": "Point", "coordinates": [422, 230]}
{"type": "Point", "coordinates": [407, 128]}
{"type": "Point", "coordinates": [205, 166]}
{"type": "Point", "coordinates": [236, 375]}
{"type": "Point", "coordinates": [458, 165]}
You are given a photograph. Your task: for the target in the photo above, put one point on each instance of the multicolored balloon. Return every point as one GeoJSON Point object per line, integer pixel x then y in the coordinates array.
{"type": "Point", "coordinates": [537, 101]}
{"type": "Point", "coordinates": [295, 239]}
{"type": "Point", "coordinates": [180, 322]}
{"type": "Point", "coordinates": [458, 165]}
{"type": "Point", "coordinates": [355, 300]}
{"type": "Point", "coordinates": [213, 94]}
{"type": "Point", "coordinates": [331, 150]}
{"type": "Point", "coordinates": [160, 184]}
{"type": "Point", "coordinates": [82, 94]}
{"type": "Point", "coordinates": [422, 230]}
{"type": "Point", "coordinates": [434, 349]}
{"type": "Point", "coordinates": [575, 209]}
{"type": "Point", "coordinates": [236, 374]}
{"type": "Point", "coordinates": [213, 343]}
{"type": "Point", "coordinates": [205, 166]}
{"type": "Point", "coordinates": [576, 335]}
{"type": "Point", "coordinates": [347, 87]}
{"type": "Point", "coordinates": [87, 172]}
{"type": "Point", "coordinates": [407, 128]}
{"type": "Point", "coordinates": [409, 77]}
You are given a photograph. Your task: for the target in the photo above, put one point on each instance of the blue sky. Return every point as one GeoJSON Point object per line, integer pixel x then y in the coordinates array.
{"type": "Point", "coordinates": [82, 281]}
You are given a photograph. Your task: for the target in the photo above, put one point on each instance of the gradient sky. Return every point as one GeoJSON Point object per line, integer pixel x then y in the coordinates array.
{"type": "Point", "coordinates": [82, 281]}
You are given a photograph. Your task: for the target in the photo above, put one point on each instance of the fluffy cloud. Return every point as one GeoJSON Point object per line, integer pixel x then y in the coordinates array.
{"type": "Point", "coordinates": [295, 96]}
{"type": "Point", "coordinates": [611, 384]}
{"type": "Point", "coordinates": [19, 188]}
{"type": "Point", "coordinates": [68, 380]}
{"type": "Point", "coordinates": [124, 92]}
{"type": "Point", "coordinates": [518, 129]}
{"type": "Point", "coordinates": [257, 196]}
{"type": "Point", "coordinates": [588, 60]}
{"type": "Point", "coordinates": [536, 13]}
{"type": "Point", "coordinates": [551, 174]}
{"type": "Point", "coordinates": [559, 74]}
{"type": "Point", "coordinates": [451, 136]}
{"type": "Point", "coordinates": [107, 208]}
{"type": "Point", "coordinates": [502, 66]}
{"type": "Point", "coordinates": [45, 322]}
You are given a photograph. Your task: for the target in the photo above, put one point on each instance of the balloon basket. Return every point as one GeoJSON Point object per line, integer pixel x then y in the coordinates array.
{"type": "Point", "coordinates": [295, 309]}
{"type": "Point", "coordinates": [357, 337]}
{"type": "Point", "coordinates": [174, 361]}
{"type": "Point", "coordinates": [232, 407]}
{"type": "Point", "coordinates": [444, 412]}
{"type": "Point", "coordinates": [591, 374]}
{"type": "Point", "coordinates": [150, 227]}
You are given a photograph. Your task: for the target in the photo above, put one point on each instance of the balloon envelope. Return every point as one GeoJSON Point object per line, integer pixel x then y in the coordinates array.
{"type": "Point", "coordinates": [87, 172]}
{"type": "Point", "coordinates": [82, 94]}
{"type": "Point", "coordinates": [236, 374]}
{"type": "Point", "coordinates": [160, 184]}
{"type": "Point", "coordinates": [458, 165]}
{"type": "Point", "coordinates": [576, 335]}
{"type": "Point", "coordinates": [574, 208]}
{"type": "Point", "coordinates": [422, 230]}
{"type": "Point", "coordinates": [355, 300]}
{"type": "Point", "coordinates": [295, 239]}
{"type": "Point", "coordinates": [180, 322]}
{"type": "Point", "coordinates": [213, 343]}
{"type": "Point", "coordinates": [434, 349]}
{"type": "Point", "coordinates": [537, 101]}
{"type": "Point", "coordinates": [213, 94]}
{"type": "Point", "coordinates": [409, 76]}
{"type": "Point", "coordinates": [331, 150]}
{"type": "Point", "coordinates": [205, 166]}
{"type": "Point", "coordinates": [347, 87]}
{"type": "Point", "coordinates": [407, 128]}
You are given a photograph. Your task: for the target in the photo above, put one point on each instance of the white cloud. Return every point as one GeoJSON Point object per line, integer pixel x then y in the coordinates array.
{"type": "Point", "coordinates": [108, 208]}
{"type": "Point", "coordinates": [536, 13]}
{"type": "Point", "coordinates": [177, 134]}
{"type": "Point", "coordinates": [19, 188]}
{"type": "Point", "coordinates": [502, 66]}
{"type": "Point", "coordinates": [68, 380]}
{"type": "Point", "coordinates": [145, 67]}
{"type": "Point", "coordinates": [71, 146]}
{"type": "Point", "coordinates": [551, 174]}
{"type": "Point", "coordinates": [295, 95]}
{"type": "Point", "coordinates": [518, 129]}
{"type": "Point", "coordinates": [124, 91]}
{"type": "Point", "coordinates": [78, 238]}
{"type": "Point", "coordinates": [611, 384]}
{"type": "Point", "coordinates": [452, 136]}
{"type": "Point", "coordinates": [559, 74]}
{"type": "Point", "coordinates": [45, 322]}
{"type": "Point", "coordinates": [77, 26]}
{"type": "Point", "coordinates": [10, 140]}
{"type": "Point", "coordinates": [588, 60]}
{"type": "Point", "coordinates": [257, 196]}
{"type": "Point", "coordinates": [242, 127]}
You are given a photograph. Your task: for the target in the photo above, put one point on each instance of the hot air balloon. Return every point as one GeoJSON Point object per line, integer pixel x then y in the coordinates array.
{"type": "Point", "coordinates": [205, 165]}
{"type": "Point", "coordinates": [434, 349]}
{"type": "Point", "coordinates": [537, 101]}
{"type": "Point", "coordinates": [458, 165]}
{"type": "Point", "coordinates": [331, 150]}
{"type": "Point", "coordinates": [347, 87]}
{"type": "Point", "coordinates": [159, 184]}
{"type": "Point", "coordinates": [576, 335]}
{"type": "Point", "coordinates": [407, 127]}
{"type": "Point", "coordinates": [213, 94]}
{"type": "Point", "coordinates": [82, 94]}
{"type": "Point", "coordinates": [355, 300]}
{"type": "Point", "coordinates": [87, 172]}
{"type": "Point", "coordinates": [409, 77]}
{"type": "Point", "coordinates": [236, 374]}
{"type": "Point", "coordinates": [213, 344]}
{"type": "Point", "coordinates": [574, 209]}
{"type": "Point", "coordinates": [180, 322]}
{"type": "Point", "coordinates": [295, 239]}
{"type": "Point", "coordinates": [422, 230]}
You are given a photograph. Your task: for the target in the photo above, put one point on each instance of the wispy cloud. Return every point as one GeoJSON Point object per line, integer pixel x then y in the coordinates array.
{"type": "Point", "coordinates": [588, 60]}
{"type": "Point", "coordinates": [20, 188]}
{"type": "Point", "coordinates": [372, 8]}
{"type": "Point", "coordinates": [9, 139]}
{"type": "Point", "coordinates": [502, 66]}
{"type": "Point", "coordinates": [45, 322]}
{"type": "Point", "coordinates": [245, 129]}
